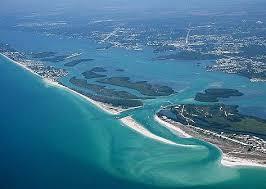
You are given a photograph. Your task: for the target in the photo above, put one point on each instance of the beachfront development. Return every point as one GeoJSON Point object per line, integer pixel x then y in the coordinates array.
{"type": "Point", "coordinates": [241, 138]}
{"type": "Point", "coordinates": [145, 94]}
{"type": "Point", "coordinates": [219, 124]}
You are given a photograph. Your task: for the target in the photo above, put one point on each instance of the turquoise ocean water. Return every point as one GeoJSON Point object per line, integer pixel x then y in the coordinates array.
{"type": "Point", "coordinates": [51, 138]}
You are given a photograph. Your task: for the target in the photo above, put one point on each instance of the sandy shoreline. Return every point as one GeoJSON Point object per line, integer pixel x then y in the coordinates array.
{"type": "Point", "coordinates": [226, 160]}
{"type": "Point", "coordinates": [105, 107]}
{"type": "Point", "coordinates": [19, 64]}
{"type": "Point", "coordinates": [230, 161]}
{"type": "Point", "coordinates": [131, 123]}
{"type": "Point", "coordinates": [128, 121]}
{"type": "Point", "coordinates": [173, 127]}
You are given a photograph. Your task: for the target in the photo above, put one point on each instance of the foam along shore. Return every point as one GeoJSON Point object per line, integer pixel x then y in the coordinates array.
{"type": "Point", "coordinates": [231, 161]}
{"type": "Point", "coordinates": [131, 123]}
{"type": "Point", "coordinates": [226, 159]}
{"type": "Point", "coordinates": [173, 127]}
{"type": "Point", "coordinates": [105, 107]}
{"type": "Point", "coordinates": [19, 64]}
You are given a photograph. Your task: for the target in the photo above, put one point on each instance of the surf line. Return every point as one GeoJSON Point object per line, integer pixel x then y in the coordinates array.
{"type": "Point", "coordinates": [48, 82]}
{"type": "Point", "coordinates": [134, 125]}
{"type": "Point", "coordinates": [128, 121]}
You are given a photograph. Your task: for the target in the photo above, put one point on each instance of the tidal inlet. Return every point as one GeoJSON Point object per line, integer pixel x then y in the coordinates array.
{"type": "Point", "coordinates": [132, 94]}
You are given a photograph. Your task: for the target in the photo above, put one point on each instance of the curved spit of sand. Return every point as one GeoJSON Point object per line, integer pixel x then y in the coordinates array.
{"type": "Point", "coordinates": [131, 123]}
{"type": "Point", "coordinates": [172, 127]}
{"type": "Point", "coordinates": [226, 160]}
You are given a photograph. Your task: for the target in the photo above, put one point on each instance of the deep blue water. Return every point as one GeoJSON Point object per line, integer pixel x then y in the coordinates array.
{"type": "Point", "coordinates": [50, 138]}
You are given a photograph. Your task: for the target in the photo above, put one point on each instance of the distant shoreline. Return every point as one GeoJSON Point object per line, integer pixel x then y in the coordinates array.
{"type": "Point", "coordinates": [226, 160]}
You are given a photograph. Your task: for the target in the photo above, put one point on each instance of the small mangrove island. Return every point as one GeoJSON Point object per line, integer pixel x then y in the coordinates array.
{"type": "Point", "coordinates": [213, 94]}
{"type": "Point", "coordinates": [90, 74]}
{"type": "Point", "coordinates": [143, 87]}
{"type": "Point", "coordinates": [78, 61]}
{"type": "Point", "coordinates": [102, 94]}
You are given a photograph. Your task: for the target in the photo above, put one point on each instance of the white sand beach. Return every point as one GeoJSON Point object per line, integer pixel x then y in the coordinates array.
{"type": "Point", "coordinates": [19, 64]}
{"type": "Point", "coordinates": [105, 107]}
{"type": "Point", "coordinates": [230, 161]}
{"type": "Point", "coordinates": [131, 123]}
{"type": "Point", "coordinates": [173, 127]}
{"type": "Point", "coordinates": [226, 160]}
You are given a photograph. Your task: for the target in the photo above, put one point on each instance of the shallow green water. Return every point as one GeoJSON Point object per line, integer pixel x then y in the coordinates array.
{"type": "Point", "coordinates": [50, 138]}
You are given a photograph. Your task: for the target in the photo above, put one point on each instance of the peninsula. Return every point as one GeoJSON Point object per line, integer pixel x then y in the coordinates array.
{"type": "Point", "coordinates": [241, 138]}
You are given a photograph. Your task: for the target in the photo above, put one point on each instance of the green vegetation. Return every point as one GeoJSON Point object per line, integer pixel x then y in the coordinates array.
{"type": "Point", "coordinates": [219, 118]}
{"type": "Point", "coordinates": [213, 94]}
{"type": "Point", "coordinates": [102, 94]}
{"type": "Point", "coordinates": [75, 62]}
{"type": "Point", "coordinates": [142, 86]}
{"type": "Point", "coordinates": [91, 75]}
{"type": "Point", "coordinates": [110, 96]}
{"type": "Point", "coordinates": [102, 90]}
